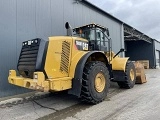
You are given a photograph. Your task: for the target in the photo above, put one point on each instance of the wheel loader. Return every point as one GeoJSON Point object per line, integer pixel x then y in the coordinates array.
{"type": "Point", "coordinates": [82, 63]}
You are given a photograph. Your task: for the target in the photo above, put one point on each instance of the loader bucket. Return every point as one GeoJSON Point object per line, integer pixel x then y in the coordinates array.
{"type": "Point", "coordinates": [140, 74]}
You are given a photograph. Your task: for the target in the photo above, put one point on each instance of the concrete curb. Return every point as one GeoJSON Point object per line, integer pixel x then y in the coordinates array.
{"type": "Point", "coordinates": [19, 100]}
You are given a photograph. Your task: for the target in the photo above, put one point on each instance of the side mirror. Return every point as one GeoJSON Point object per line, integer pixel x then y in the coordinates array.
{"type": "Point", "coordinates": [122, 50]}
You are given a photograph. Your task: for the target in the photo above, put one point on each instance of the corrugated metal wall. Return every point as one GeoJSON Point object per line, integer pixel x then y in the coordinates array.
{"type": "Point", "coordinates": [21, 20]}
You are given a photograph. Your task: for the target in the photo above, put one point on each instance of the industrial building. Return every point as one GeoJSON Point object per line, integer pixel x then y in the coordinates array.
{"type": "Point", "coordinates": [27, 19]}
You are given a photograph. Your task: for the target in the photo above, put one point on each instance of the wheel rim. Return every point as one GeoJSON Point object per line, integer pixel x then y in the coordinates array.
{"type": "Point", "coordinates": [100, 82]}
{"type": "Point", "coordinates": [132, 74]}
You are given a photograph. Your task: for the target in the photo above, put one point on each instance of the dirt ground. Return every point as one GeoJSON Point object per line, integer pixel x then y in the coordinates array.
{"type": "Point", "coordinates": [140, 103]}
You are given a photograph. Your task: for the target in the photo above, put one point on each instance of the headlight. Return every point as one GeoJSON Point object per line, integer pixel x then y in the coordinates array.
{"type": "Point", "coordinates": [36, 41]}
{"type": "Point", "coordinates": [29, 42]}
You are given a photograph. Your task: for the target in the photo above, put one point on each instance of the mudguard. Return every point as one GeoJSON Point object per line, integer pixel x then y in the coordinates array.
{"type": "Point", "coordinates": [77, 80]}
{"type": "Point", "coordinates": [119, 63]}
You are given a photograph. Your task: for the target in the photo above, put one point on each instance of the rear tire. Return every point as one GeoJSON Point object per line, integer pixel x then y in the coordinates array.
{"type": "Point", "coordinates": [130, 76]}
{"type": "Point", "coordinates": [95, 82]}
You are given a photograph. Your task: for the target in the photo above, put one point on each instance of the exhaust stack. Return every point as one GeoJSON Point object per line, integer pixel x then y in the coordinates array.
{"type": "Point", "coordinates": [69, 29]}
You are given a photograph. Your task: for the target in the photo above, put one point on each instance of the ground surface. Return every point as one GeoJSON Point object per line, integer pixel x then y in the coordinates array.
{"type": "Point", "coordinates": [140, 103]}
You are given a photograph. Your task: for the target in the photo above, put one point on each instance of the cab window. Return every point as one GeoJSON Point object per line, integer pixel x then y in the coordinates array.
{"type": "Point", "coordinates": [89, 34]}
{"type": "Point", "coordinates": [100, 37]}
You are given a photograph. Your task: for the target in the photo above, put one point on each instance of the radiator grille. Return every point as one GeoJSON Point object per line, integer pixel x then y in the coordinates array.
{"type": "Point", "coordinates": [27, 59]}
{"type": "Point", "coordinates": [65, 57]}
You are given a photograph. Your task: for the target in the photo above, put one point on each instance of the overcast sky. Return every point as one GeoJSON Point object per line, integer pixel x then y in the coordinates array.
{"type": "Point", "coordinates": [144, 15]}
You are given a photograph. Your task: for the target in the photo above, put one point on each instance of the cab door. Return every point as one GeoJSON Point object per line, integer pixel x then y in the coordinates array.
{"type": "Point", "coordinates": [101, 41]}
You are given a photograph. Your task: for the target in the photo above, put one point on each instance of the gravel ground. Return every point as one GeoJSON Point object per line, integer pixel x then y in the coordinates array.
{"type": "Point", "coordinates": [140, 103]}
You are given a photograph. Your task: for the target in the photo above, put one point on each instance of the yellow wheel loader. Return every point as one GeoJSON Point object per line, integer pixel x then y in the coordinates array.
{"type": "Point", "coordinates": [82, 63]}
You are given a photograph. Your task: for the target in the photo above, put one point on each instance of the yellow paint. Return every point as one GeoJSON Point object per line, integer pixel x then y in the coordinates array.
{"type": "Point", "coordinates": [110, 56]}
{"type": "Point", "coordinates": [16, 81]}
{"type": "Point", "coordinates": [100, 82]}
{"type": "Point", "coordinates": [53, 57]}
{"type": "Point", "coordinates": [60, 84]}
{"type": "Point", "coordinates": [132, 76]}
{"type": "Point", "coordinates": [76, 56]}
{"type": "Point", "coordinates": [61, 79]}
{"type": "Point", "coordinates": [118, 63]}
{"type": "Point", "coordinates": [57, 79]}
{"type": "Point", "coordinates": [74, 62]}
{"type": "Point", "coordinates": [40, 83]}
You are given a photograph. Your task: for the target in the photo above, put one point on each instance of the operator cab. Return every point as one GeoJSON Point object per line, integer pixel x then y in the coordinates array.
{"type": "Point", "coordinates": [98, 36]}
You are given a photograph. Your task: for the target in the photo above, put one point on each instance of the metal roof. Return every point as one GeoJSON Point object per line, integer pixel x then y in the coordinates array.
{"type": "Point", "coordinates": [99, 9]}
{"type": "Point", "coordinates": [128, 30]}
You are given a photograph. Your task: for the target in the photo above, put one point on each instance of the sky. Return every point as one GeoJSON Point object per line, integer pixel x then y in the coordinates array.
{"type": "Point", "coordinates": [143, 15]}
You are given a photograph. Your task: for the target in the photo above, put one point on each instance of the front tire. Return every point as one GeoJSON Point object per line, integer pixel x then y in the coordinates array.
{"type": "Point", "coordinates": [95, 82]}
{"type": "Point", "coordinates": [130, 76]}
